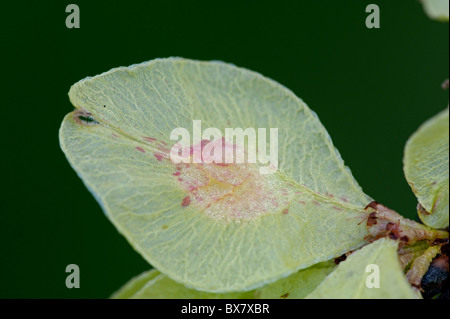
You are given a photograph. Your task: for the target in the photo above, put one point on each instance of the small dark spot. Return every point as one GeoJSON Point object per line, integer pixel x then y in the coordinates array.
{"type": "Point", "coordinates": [285, 211]}
{"type": "Point", "coordinates": [164, 227]}
{"type": "Point", "coordinates": [340, 259]}
{"type": "Point", "coordinates": [285, 295]}
{"type": "Point", "coordinates": [104, 105]}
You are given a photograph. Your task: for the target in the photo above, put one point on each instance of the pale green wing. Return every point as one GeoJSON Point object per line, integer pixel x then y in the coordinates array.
{"type": "Point", "coordinates": [215, 228]}
{"type": "Point", "coordinates": [299, 284]}
{"type": "Point", "coordinates": [154, 285]}
{"type": "Point", "coordinates": [436, 9]}
{"type": "Point", "coordinates": [356, 277]}
{"type": "Point", "coordinates": [427, 170]}
{"type": "Point", "coordinates": [135, 284]}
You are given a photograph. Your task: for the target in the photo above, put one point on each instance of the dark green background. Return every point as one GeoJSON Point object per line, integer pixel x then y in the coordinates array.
{"type": "Point", "coordinates": [371, 88]}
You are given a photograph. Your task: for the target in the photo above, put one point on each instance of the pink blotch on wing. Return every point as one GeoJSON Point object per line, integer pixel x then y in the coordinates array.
{"type": "Point", "coordinates": [228, 190]}
{"type": "Point", "coordinates": [223, 190]}
{"type": "Point", "coordinates": [186, 201]}
{"type": "Point", "coordinates": [160, 156]}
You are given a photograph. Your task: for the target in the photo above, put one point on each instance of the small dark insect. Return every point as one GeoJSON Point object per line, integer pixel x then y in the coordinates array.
{"type": "Point", "coordinates": [87, 119]}
{"type": "Point", "coordinates": [285, 295]}
{"type": "Point", "coordinates": [84, 118]}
